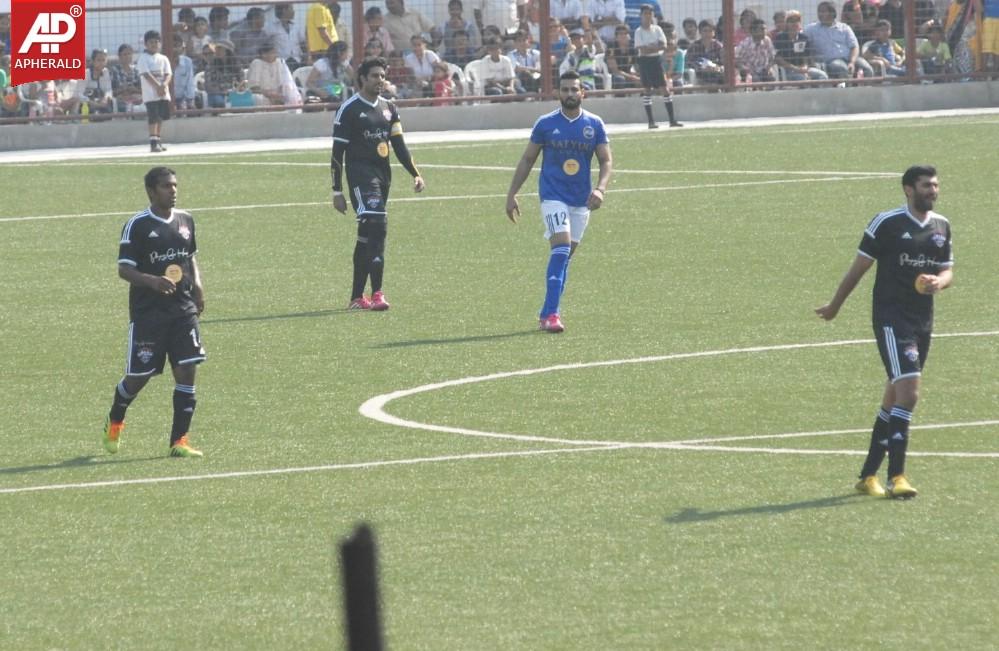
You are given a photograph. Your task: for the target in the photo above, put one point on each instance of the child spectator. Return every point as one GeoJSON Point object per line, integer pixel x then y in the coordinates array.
{"type": "Point", "coordinates": [196, 45]}
{"type": "Point", "coordinates": [934, 53]}
{"type": "Point", "coordinates": [156, 72]}
{"type": "Point", "coordinates": [885, 51]}
{"type": "Point", "coordinates": [125, 84]}
{"type": "Point", "coordinates": [184, 89]}
{"type": "Point", "coordinates": [526, 62]}
{"type": "Point", "coordinates": [443, 84]}
{"type": "Point", "coordinates": [96, 88]}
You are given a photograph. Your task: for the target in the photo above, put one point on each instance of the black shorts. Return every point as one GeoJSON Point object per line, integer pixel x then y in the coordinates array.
{"type": "Point", "coordinates": [369, 197]}
{"type": "Point", "coordinates": [158, 111]}
{"type": "Point", "coordinates": [151, 340]}
{"type": "Point", "coordinates": [651, 71]}
{"type": "Point", "coordinates": [903, 349]}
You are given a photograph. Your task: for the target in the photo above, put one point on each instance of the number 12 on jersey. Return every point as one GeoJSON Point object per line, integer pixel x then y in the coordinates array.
{"type": "Point", "coordinates": [555, 220]}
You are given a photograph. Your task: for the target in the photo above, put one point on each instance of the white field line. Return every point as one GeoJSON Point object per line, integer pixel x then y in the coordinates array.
{"type": "Point", "coordinates": [288, 471]}
{"type": "Point", "coordinates": [374, 408]}
{"type": "Point", "coordinates": [301, 204]}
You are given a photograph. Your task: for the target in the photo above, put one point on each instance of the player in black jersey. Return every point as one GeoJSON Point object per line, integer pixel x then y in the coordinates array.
{"type": "Point", "coordinates": [363, 128]}
{"type": "Point", "coordinates": [156, 256]}
{"type": "Point", "coordinates": [912, 246]}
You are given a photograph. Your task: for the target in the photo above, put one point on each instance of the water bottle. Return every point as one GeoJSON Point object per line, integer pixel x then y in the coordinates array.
{"type": "Point", "coordinates": [85, 113]}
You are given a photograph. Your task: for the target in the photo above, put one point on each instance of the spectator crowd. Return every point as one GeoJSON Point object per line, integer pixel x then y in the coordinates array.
{"type": "Point", "coordinates": [273, 57]}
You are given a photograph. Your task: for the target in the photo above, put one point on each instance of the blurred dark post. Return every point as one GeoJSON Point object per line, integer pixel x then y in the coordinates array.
{"type": "Point", "coordinates": [911, 57]}
{"type": "Point", "coordinates": [357, 31]}
{"type": "Point", "coordinates": [545, 48]}
{"type": "Point", "coordinates": [728, 42]}
{"type": "Point", "coordinates": [360, 591]}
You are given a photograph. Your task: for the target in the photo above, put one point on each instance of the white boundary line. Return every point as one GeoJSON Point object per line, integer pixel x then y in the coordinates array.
{"type": "Point", "coordinates": [289, 471]}
{"type": "Point", "coordinates": [374, 408]}
{"type": "Point", "coordinates": [259, 206]}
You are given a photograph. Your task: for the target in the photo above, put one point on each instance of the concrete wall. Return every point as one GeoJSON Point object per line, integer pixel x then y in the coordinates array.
{"type": "Point", "coordinates": [693, 108]}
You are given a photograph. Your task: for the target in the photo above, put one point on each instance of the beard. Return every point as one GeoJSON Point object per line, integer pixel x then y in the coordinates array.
{"type": "Point", "coordinates": [571, 103]}
{"type": "Point", "coordinates": [923, 204]}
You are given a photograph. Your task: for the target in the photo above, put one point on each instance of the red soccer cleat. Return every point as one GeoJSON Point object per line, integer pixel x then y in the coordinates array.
{"type": "Point", "coordinates": [378, 302]}
{"type": "Point", "coordinates": [552, 323]}
{"type": "Point", "coordinates": [362, 303]}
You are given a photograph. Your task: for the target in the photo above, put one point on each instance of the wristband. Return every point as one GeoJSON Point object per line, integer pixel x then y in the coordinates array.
{"type": "Point", "coordinates": [337, 193]}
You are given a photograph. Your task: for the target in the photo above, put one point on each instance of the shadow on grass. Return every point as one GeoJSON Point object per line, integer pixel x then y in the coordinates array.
{"type": "Point", "coordinates": [76, 462]}
{"type": "Point", "coordinates": [273, 317]}
{"type": "Point", "coordinates": [696, 515]}
{"type": "Point", "coordinates": [454, 340]}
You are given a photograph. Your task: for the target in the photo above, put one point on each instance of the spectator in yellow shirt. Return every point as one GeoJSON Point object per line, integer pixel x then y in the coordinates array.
{"type": "Point", "coordinates": [320, 30]}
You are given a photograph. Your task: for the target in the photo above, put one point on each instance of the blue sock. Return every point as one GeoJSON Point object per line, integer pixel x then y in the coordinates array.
{"type": "Point", "coordinates": [565, 277]}
{"type": "Point", "coordinates": [556, 274]}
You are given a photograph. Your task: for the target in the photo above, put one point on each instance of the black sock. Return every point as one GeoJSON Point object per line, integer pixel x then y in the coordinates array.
{"type": "Point", "coordinates": [121, 402]}
{"type": "Point", "coordinates": [360, 268]}
{"type": "Point", "coordinates": [879, 445]}
{"type": "Point", "coordinates": [647, 105]}
{"type": "Point", "coordinates": [183, 411]}
{"type": "Point", "coordinates": [669, 109]}
{"type": "Point", "coordinates": [898, 442]}
{"type": "Point", "coordinates": [376, 256]}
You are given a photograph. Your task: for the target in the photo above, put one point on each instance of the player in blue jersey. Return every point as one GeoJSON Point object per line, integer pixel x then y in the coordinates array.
{"type": "Point", "coordinates": [569, 138]}
{"type": "Point", "coordinates": [912, 248]}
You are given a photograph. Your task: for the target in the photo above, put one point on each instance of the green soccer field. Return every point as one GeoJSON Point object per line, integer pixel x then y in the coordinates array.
{"type": "Point", "coordinates": [633, 493]}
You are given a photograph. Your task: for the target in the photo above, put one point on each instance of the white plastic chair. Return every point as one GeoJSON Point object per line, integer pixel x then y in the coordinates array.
{"type": "Point", "coordinates": [301, 75]}
{"type": "Point", "coordinates": [601, 71]}
{"type": "Point", "coordinates": [462, 81]}
{"type": "Point", "coordinates": [473, 75]}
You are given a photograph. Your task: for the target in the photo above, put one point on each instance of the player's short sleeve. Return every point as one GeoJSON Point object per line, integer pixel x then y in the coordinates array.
{"type": "Point", "coordinates": [601, 133]}
{"type": "Point", "coordinates": [948, 251]}
{"type": "Point", "coordinates": [127, 250]}
{"type": "Point", "coordinates": [194, 238]}
{"type": "Point", "coordinates": [870, 244]}
{"type": "Point", "coordinates": [142, 65]}
{"type": "Point", "coordinates": [538, 134]}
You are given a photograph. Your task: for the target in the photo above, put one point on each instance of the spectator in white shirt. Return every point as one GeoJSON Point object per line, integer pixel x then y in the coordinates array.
{"type": "Point", "coordinates": [285, 35]}
{"type": "Point", "coordinates": [498, 73]}
{"type": "Point", "coordinates": [420, 62]}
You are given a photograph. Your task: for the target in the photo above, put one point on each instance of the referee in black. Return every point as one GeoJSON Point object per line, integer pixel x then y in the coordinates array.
{"type": "Point", "coordinates": [362, 130]}
{"type": "Point", "coordinates": [912, 247]}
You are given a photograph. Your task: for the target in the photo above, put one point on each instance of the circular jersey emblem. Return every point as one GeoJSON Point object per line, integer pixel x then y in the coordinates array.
{"type": "Point", "coordinates": [174, 273]}
{"type": "Point", "coordinates": [588, 133]}
{"type": "Point", "coordinates": [383, 150]}
{"type": "Point", "coordinates": [570, 167]}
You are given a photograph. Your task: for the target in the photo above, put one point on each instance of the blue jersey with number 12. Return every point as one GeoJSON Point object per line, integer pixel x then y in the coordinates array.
{"type": "Point", "coordinates": [568, 147]}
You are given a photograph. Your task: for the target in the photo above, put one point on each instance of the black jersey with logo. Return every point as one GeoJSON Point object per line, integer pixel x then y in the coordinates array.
{"type": "Point", "coordinates": [365, 128]}
{"type": "Point", "coordinates": [905, 248]}
{"type": "Point", "coordinates": [151, 244]}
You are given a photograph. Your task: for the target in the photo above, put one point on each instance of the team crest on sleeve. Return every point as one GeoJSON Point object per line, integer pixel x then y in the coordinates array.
{"type": "Point", "coordinates": [939, 239]}
{"type": "Point", "coordinates": [911, 352]}
{"type": "Point", "coordinates": [588, 132]}
{"type": "Point", "coordinates": [185, 232]}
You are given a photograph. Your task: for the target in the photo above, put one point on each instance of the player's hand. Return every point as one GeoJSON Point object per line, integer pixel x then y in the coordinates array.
{"type": "Point", "coordinates": [512, 209]}
{"type": "Point", "coordinates": [419, 184]}
{"type": "Point", "coordinates": [162, 285]}
{"type": "Point", "coordinates": [340, 203]}
{"type": "Point", "coordinates": [596, 199]}
{"type": "Point", "coordinates": [928, 284]}
{"type": "Point", "coordinates": [827, 312]}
